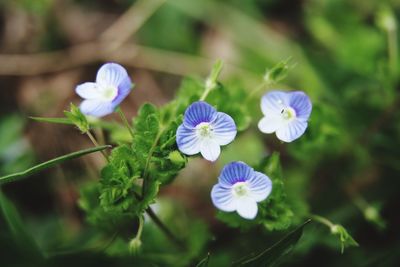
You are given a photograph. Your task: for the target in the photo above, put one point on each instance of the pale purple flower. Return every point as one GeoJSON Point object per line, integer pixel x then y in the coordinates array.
{"type": "Point", "coordinates": [239, 188]}
{"type": "Point", "coordinates": [103, 96]}
{"type": "Point", "coordinates": [285, 113]}
{"type": "Point", "coordinates": [204, 130]}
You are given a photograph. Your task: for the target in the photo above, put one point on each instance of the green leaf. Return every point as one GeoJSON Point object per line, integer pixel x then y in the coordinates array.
{"type": "Point", "coordinates": [204, 262]}
{"type": "Point", "coordinates": [272, 255]}
{"type": "Point", "coordinates": [53, 120]}
{"type": "Point", "coordinates": [16, 226]}
{"type": "Point", "coordinates": [275, 211]}
{"type": "Point", "coordinates": [23, 174]}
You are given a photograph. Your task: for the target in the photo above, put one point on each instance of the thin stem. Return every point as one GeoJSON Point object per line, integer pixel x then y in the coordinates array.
{"type": "Point", "coordinates": [96, 144]}
{"type": "Point", "coordinates": [322, 220]}
{"type": "Point", "coordinates": [161, 225]}
{"type": "Point", "coordinates": [146, 167]}
{"type": "Point", "coordinates": [100, 135]}
{"type": "Point", "coordinates": [164, 228]}
{"type": "Point", "coordinates": [140, 229]}
{"type": "Point", "coordinates": [255, 91]}
{"type": "Point", "coordinates": [206, 92]}
{"type": "Point", "coordinates": [125, 121]}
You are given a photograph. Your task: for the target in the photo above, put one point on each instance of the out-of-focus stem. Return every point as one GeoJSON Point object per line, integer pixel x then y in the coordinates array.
{"type": "Point", "coordinates": [322, 220]}
{"type": "Point", "coordinates": [164, 228]}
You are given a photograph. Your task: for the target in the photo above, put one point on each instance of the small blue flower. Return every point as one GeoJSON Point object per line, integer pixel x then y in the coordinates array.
{"type": "Point", "coordinates": [239, 189]}
{"type": "Point", "coordinates": [204, 130]}
{"type": "Point", "coordinates": [103, 97]}
{"type": "Point", "coordinates": [286, 114]}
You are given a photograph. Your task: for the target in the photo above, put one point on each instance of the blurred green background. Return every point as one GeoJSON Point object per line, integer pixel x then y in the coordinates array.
{"type": "Point", "coordinates": [346, 167]}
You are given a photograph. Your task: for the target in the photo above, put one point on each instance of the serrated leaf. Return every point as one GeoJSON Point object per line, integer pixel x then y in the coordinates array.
{"type": "Point", "coordinates": [272, 255]}
{"type": "Point", "coordinates": [275, 211]}
{"type": "Point", "coordinates": [23, 174]}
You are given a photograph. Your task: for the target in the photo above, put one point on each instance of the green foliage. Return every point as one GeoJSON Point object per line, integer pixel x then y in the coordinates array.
{"type": "Point", "coordinates": [15, 152]}
{"type": "Point", "coordinates": [272, 255]}
{"type": "Point", "coordinates": [151, 160]}
{"type": "Point", "coordinates": [16, 227]}
{"type": "Point", "coordinates": [275, 210]}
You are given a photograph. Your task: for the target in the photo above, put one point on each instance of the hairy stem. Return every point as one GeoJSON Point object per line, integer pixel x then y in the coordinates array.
{"type": "Point", "coordinates": [125, 121]}
{"type": "Point", "coordinates": [255, 91]}
{"type": "Point", "coordinates": [96, 144]}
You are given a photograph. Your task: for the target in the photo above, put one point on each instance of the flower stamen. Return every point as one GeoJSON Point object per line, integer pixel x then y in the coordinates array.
{"type": "Point", "coordinates": [204, 129]}
{"type": "Point", "coordinates": [240, 189]}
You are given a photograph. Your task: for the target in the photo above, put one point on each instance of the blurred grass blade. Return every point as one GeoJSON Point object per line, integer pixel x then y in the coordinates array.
{"type": "Point", "coordinates": [20, 175]}
{"type": "Point", "coordinates": [53, 120]}
{"type": "Point", "coordinates": [18, 231]}
{"type": "Point", "coordinates": [270, 256]}
{"type": "Point", "coordinates": [204, 262]}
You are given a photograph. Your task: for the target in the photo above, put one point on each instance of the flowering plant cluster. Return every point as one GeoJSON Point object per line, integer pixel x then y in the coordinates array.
{"type": "Point", "coordinates": [151, 149]}
{"type": "Point", "coordinates": [204, 130]}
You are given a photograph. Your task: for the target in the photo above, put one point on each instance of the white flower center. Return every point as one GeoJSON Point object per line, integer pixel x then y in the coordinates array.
{"type": "Point", "coordinates": [108, 92]}
{"type": "Point", "coordinates": [204, 130]}
{"type": "Point", "coordinates": [288, 113]}
{"type": "Point", "coordinates": [240, 189]}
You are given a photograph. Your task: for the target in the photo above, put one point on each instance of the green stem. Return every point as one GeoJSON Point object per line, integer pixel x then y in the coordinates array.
{"type": "Point", "coordinates": [206, 92]}
{"type": "Point", "coordinates": [146, 167]}
{"type": "Point", "coordinates": [256, 91]}
{"type": "Point", "coordinates": [153, 216]}
{"type": "Point", "coordinates": [322, 220]}
{"type": "Point", "coordinates": [96, 144]}
{"type": "Point", "coordinates": [125, 121]}
{"type": "Point", "coordinates": [140, 229]}
{"type": "Point", "coordinates": [164, 228]}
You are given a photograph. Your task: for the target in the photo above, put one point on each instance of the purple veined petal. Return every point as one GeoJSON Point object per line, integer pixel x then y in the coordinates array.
{"type": "Point", "coordinates": [260, 186]}
{"type": "Point", "coordinates": [235, 172]}
{"type": "Point", "coordinates": [111, 74]}
{"type": "Point", "coordinates": [209, 149]}
{"type": "Point", "coordinates": [96, 108]}
{"type": "Point", "coordinates": [270, 123]}
{"type": "Point", "coordinates": [273, 102]}
{"type": "Point", "coordinates": [124, 89]}
{"type": "Point", "coordinates": [301, 103]}
{"type": "Point", "coordinates": [88, 91]}
{"type": "Point", "coordinates": [187, 140]}
{"type": "Point", "coordinates": [223, 198]}
{"type": "Point", "coordinates": [246, 207]}
{"type": "Point", "coordinates": [292, 130]}
{"type": "Point", "coordinates": [224, 129]}
{"type": "Point", "coordinates": [199, 112]}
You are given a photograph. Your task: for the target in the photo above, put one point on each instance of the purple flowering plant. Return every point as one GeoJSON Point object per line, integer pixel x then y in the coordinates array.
{"type": "Point", "coordinates": [151, 149]}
